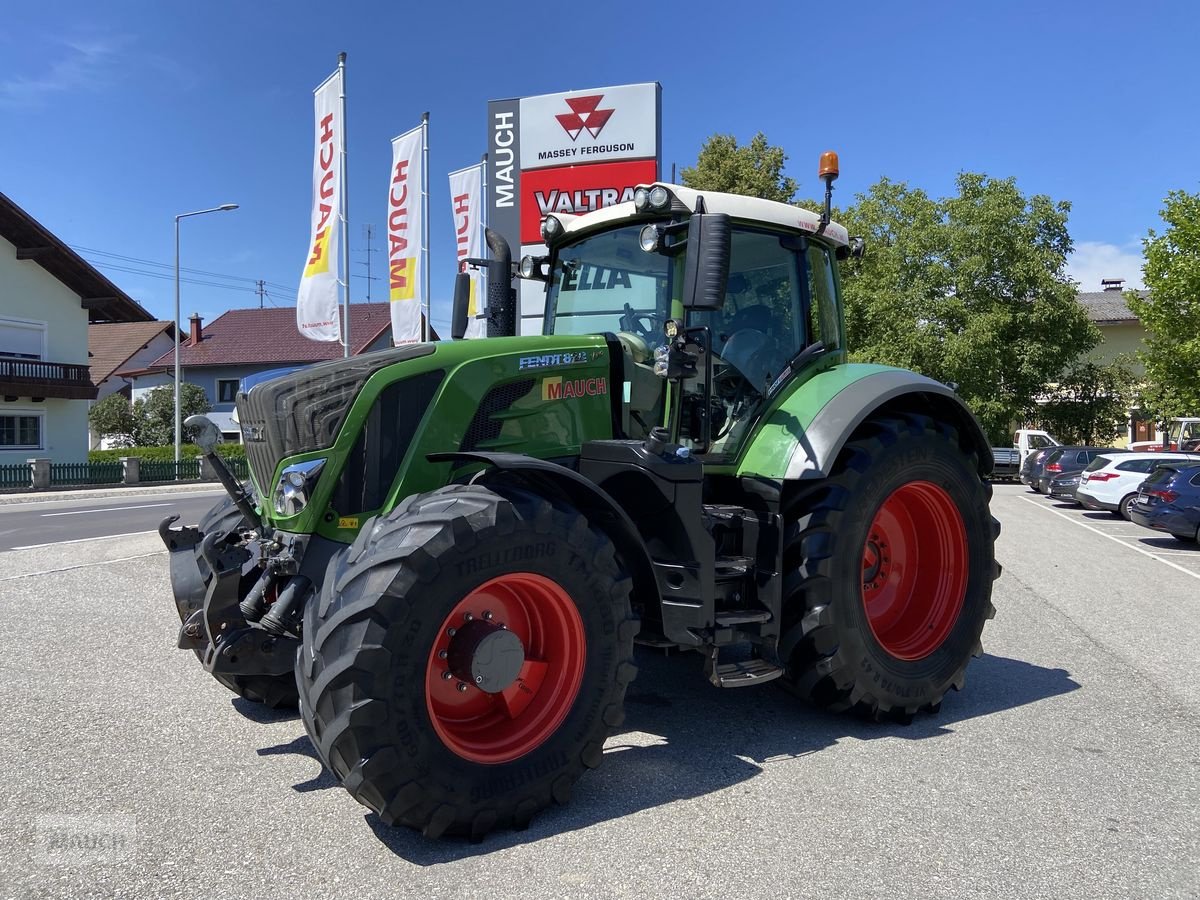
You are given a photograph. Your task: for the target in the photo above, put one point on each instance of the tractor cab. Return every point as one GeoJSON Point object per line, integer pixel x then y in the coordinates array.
{"type": "Point", "coordinates": [718, 302]}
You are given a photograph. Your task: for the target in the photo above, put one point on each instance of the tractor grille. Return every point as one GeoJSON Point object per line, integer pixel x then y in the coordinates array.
{"type": "Point", "coordinates": [305, 410]}
{"type": "Point", "coordinates": [483, 426]}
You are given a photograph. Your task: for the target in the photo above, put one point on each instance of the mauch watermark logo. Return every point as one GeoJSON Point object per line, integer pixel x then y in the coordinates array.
{"type": "Point", "coordinates": [84, 840]}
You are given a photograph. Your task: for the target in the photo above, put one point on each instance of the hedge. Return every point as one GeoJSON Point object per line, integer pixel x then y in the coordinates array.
{"type": "Point", "coordinates": [164, 454]}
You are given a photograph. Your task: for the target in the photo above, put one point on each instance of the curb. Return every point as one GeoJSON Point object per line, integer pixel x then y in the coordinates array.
{"type": "Point", "coordinates": [192, 487]}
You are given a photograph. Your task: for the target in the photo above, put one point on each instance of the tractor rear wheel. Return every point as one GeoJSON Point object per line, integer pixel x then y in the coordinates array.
{"type": "Point", "coordinates": [889, 563]}
{"type": "Point", "coordinates": [274, 691]}
{"type": "Point", "coordinates": [467, 658]}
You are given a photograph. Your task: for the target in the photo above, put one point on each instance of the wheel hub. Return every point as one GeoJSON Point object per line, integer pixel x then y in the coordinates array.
{"type": "Point", "coordinates": [486, 655]}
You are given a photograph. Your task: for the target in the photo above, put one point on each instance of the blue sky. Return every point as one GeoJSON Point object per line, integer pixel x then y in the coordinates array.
{"type": "Point", "coordinates": [117, 116]}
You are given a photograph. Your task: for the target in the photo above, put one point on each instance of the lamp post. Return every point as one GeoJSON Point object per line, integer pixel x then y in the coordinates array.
{"type": "Point", "coordinates": [224, 207]}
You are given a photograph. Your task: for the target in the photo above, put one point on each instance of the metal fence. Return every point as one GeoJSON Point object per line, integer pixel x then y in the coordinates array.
{"type": "Point", "coordinates": [169, 470]}
{"type": "Point", "coordinates": [239, 467]}
{"type": "Point", "coordinates": [15, 476]}
{"type": "Point", "coordinates": [86, 473]}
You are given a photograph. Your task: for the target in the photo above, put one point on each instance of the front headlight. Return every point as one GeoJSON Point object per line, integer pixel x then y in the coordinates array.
{"type": "Point", "coordinates": [295, 486]}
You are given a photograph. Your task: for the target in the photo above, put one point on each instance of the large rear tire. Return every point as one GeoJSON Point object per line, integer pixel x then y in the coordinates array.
{"type": "Point", "coordinates": [890, 563]}
{"type": "Point", "coordinates": [274, 691]}
{"type": "Point", "coordinates": [467, 658]}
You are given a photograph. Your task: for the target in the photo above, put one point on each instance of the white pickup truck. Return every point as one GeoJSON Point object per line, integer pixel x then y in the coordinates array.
{"type": "Point", "coordinates": [1026, 440]}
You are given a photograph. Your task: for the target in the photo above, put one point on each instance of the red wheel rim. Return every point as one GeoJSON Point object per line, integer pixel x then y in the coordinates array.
{"type": "Point", "coordinates": [502, 726]}
{"type": "Point", "coordinates": [914, 570]}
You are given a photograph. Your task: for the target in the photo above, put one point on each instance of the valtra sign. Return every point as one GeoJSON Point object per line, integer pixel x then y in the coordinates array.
{"type": "Point", "coordinates": [570, 153]}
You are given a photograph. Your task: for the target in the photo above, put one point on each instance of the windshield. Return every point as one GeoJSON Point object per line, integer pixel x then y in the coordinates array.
{"type": "Point", "coordinates": [606, 282]}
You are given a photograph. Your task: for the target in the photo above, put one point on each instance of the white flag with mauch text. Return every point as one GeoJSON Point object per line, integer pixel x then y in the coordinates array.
{"type": "Point", "coordinates": [466, 201]}
{"type": "Point", "coordinates": [404, 234]}
{"type": "Point", "coordinates": [317, 300]}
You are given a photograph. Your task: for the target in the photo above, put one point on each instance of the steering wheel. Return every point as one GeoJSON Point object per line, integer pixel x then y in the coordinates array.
{"type": "Point", "coordinates": [646, 324]}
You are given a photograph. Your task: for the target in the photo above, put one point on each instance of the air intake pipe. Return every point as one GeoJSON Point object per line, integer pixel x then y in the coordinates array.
{"type": "Point", "coordinates": [501, 296]}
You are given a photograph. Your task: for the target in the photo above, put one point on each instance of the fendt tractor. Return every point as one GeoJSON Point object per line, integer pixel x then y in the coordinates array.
{"type": "Point", "coordinates": [447, 551]}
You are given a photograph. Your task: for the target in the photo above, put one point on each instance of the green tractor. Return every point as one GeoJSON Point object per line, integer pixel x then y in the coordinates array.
{"type": "Point", "coordinates": [448, 551]}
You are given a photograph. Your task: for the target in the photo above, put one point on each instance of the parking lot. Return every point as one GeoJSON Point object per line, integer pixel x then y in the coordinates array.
{"type": "Point", "coordinates": [1066, 768]}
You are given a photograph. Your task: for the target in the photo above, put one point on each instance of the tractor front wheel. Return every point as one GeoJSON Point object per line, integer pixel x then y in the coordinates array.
{"type": "Point", "coordinates": [889, 566]}
{"type": "Point", "coordinates": [467, 658]}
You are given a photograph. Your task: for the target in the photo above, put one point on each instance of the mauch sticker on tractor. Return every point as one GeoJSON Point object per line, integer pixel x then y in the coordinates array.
{"type": "Point", "coordinates": [559, 389]}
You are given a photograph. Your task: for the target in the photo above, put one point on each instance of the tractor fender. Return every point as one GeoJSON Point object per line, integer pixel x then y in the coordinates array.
{"type": "Point", "coordinates": [555, 481]}
{"type": "Point", "coordinates": [815, 421]}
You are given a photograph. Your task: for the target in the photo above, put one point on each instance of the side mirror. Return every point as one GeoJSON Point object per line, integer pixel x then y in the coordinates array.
{"type": "Point", "coordinates": [207, 434]}
{"type": "Point", "coordinates": [706, 266]}
{"type": "Point", "coordinates": [462, 304]}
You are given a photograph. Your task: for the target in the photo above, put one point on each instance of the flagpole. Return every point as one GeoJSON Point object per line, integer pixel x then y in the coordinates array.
{"type": "Point", "coordinates": [425, 224]}
{"type": "Point", "coordinates": [345, 212]}
{"type": "Point", "coordinates": [481, 284]}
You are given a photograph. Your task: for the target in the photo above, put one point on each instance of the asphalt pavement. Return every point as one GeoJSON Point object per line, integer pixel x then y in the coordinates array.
{"type": "Point", "coordinates": [1066, 768]}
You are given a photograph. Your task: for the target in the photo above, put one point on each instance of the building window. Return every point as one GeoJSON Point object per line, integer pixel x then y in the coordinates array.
{"type": "Point", "coordinates": [20, 432]}
{"type": "Point", "coordinates": [227, 389]}
{"type": "Point", "coordinates": [22, 340]}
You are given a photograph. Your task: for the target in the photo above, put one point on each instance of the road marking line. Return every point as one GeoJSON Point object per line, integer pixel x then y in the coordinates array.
{"type": "Point", "coordinates": [81, 512]}
{"type": "Point", "coordinates": [1113, 538]}
{"type": "Point", "coordinates": [102, 562]}
{"type": "Point", "coordinates": [103, 537]}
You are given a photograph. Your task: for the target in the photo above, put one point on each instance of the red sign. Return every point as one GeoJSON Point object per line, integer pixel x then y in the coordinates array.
{"type": "Point", "coordinates": [578, 189]}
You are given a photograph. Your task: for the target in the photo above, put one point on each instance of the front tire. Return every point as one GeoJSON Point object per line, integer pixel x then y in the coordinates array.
{"type": "Point", "coordinates": [522, 604]}
{"type": "Point", "coordinates": [890, 562]}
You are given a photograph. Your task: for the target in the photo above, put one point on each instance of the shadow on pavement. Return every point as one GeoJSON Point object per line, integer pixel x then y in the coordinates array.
{"type": "Point", "coordinates": [1170, 543]}
{"type": "Point", "coordinates": [1103, 516]}
{"type": "Point", "coordinates": [263, 715]}
{"type": "Point", "coordinates": [688, 739]}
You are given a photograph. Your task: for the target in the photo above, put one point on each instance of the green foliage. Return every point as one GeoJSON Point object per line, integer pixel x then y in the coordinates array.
{"type": "Point", "coordinates": [112, 418]}
{"type": "Point", "coordinates": [755, 170]}
{"type": "Point", "coordinates": [165, 453]}
{"type": "Point", "coordinates": [969, 289]}
{"type": "Point", "coordinates": [1171, 312]}
{"type": "Point", "coordinates": [1090, 404]}
{"type": "Point", "coordinates": [155, 415]}
{"type": "Point", "coordinates": [147, 422]}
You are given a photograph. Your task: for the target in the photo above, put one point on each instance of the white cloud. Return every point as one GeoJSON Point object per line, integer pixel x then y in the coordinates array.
{"type": "Point", "coordinates": [1093, 261]}
{"type": "Point", "coordinates": [86, 64]}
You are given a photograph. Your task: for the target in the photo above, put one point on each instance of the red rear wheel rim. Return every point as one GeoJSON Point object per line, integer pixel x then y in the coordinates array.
{"type": "Point", "coordinates": [500, 727]}
{"type": "Point", "coordinates": [914, 570]}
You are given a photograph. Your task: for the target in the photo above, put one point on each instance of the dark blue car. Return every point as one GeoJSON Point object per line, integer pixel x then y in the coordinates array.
{"type": "Point", "coordinates": [1169, 500]}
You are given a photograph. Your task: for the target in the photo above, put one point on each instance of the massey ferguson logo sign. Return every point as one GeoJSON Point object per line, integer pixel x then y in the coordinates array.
{"type": "Point", "coordinates": [585, 113]}
{"type": "Point", "coordinates": [588, 127]}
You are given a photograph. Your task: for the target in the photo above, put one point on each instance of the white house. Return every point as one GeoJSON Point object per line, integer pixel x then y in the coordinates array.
{"type": "Point", "coordinates": [48, 295]}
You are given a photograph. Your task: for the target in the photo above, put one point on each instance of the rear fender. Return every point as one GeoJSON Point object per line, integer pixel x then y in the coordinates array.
{"type": "Point", "coordinates": [802, 435]}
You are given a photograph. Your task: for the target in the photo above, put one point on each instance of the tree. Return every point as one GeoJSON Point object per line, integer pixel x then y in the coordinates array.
{"type": "Point", "coordinates": [969, 289]}
{"type": "Point", "coordinates": [1090, 403]}
{"type": "Point", "coordinates": [755, 169]}
{"type": "Point", "coordinates": [154, 416]}
{"type": "Point", "coordinates": [112, 418]}
{"type": "Point", "coordinates": [1171, 312]}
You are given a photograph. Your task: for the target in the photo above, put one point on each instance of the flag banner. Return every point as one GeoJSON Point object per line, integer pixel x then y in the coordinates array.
{"type": "Point", "coordinates": [466, 201]}
{"type": "Point", "coordinates": [317, 301]}
{"type": "Point", "coordinates": [404, 236]}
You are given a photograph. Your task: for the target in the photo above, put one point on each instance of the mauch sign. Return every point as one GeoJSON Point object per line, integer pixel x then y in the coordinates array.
{"type": "Point", "coordinates": [571, 153]}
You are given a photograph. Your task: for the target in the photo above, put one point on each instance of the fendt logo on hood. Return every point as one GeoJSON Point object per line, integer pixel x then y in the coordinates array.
{"type": "Point", "coordinates": [585, 113]}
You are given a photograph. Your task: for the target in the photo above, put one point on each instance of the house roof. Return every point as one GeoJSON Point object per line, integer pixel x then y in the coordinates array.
{"type": "Point", "coordinates": [1108, 307]}
{"type": "Point", "coordinates": [268, 337]}
{"type": "Point", "coordinates": [104, 301]}
{"type": "Point", "coordinates": [112, 344]}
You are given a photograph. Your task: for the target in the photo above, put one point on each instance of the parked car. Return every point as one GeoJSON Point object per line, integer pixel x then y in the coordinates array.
{"type": "Point", "coordinates": [1169, 500]}
{"type": "Point", "coordinates": [1111, 482]}
{"type": "Point", "coordinates": [1063, 487]}
{"type": "Point", "coordinates": [1069, 459]}
{"type": "Point", "coordinates": [1006, 463]}
{"type": "Point", "coordinates": [1034, 465]}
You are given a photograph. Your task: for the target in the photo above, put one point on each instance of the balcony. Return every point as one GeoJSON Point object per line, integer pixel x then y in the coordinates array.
{"type": "Point", "coordinates": [35, 378]}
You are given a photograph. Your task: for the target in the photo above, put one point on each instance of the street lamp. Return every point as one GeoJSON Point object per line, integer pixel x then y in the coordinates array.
{"type": "Point", "coordinates": [224, 207]}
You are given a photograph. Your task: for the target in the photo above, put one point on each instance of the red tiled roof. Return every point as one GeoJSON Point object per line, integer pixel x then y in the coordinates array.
{"type": "Point", "coordinates": [111, 344]}
{"type": "Point", "coordinates": [268, 337]}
